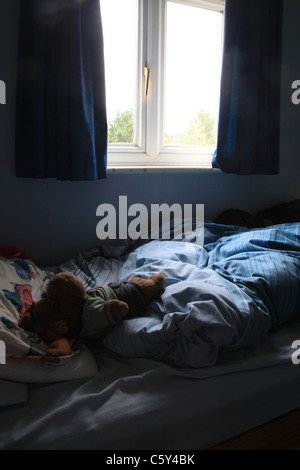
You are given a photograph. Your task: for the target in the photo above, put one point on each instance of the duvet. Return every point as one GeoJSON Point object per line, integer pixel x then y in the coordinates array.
{"type": "Point", "coordinates": [221, 295]}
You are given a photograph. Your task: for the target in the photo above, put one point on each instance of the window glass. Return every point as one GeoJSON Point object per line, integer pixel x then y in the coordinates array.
{"type": "Point", "coordinates": [120, 24]}
{"type": "Point", "coordinates": [181, 43]}
{"type": "Point", "coordinates": [193, 63]}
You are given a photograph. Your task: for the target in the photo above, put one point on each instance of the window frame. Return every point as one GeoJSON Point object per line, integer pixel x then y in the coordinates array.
{"type": "Point", "coordinates": [149, 150]}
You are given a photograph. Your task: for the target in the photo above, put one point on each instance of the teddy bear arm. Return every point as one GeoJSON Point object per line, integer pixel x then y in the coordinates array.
{"type": "Point", "coordinates": [59, 347]}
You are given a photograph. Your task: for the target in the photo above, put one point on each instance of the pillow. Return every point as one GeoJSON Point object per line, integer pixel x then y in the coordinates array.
{"type": "Point", "coordinates": [78, 366]}
{"type": "Point", "coordinates": [21, 282]}
{"type": "Point", "coordinates": [12, 393]}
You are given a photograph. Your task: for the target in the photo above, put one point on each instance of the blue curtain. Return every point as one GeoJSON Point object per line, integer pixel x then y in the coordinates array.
{"type": "Point", "coordinates": [248, 130]}
{"type": "Point", "coordinates": [61, 126]}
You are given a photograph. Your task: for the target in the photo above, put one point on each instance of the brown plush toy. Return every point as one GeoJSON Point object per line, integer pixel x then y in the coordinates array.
{"type": "Point", "coordinates": [69, 311]}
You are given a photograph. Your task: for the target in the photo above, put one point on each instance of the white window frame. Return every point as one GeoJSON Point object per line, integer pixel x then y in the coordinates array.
{"type": "Point", "coordinates": [149, 151]}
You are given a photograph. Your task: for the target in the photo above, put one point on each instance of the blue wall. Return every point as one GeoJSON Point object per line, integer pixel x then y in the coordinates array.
{"type": "Point", "coordinates": [52, 220]}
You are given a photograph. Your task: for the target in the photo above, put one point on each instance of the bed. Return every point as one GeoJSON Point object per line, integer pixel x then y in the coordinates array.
{"type": "Point", "coordinates": [216, 356]}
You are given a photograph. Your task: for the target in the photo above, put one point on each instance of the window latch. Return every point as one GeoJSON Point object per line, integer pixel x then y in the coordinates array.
{"type": "Point", "coordinates": [147, 77]}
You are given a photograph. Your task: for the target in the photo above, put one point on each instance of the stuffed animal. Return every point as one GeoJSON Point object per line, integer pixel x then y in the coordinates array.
{"type": "Point", "coordinates": [68, 311]}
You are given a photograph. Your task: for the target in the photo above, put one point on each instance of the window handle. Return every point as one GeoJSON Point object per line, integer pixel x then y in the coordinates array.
{"type": "Point", "coordinates": [147, 77]}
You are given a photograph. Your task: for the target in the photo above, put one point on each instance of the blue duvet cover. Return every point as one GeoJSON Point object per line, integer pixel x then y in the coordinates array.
{"type": "Point", "coordinates": [223, 295]}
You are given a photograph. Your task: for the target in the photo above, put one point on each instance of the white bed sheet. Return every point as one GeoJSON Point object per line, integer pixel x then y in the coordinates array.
{"type": "Point", "coordinates": [140, 404]}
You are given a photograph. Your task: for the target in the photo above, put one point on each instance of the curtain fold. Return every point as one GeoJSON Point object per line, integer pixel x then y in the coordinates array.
{"type": "Point", "coordinates": [248, 129]}
{"type": "Point", "coordinates": [61, 125]}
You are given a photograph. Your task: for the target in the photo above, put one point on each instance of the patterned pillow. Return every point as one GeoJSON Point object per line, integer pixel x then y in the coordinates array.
{"type": "Point", "coordinates": [21, 282]}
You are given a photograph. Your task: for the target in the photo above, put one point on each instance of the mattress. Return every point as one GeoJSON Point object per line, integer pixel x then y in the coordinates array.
{"type": "Point", "coordinates": [141, 404]}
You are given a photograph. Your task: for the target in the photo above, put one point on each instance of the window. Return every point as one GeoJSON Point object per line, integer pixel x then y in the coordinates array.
{"type": "Point", "coordinates": [163, 65]}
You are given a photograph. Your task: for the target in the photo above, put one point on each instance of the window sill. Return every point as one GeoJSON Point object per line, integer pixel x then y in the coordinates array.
{"type": "Point", "coordinates": [161, 169]}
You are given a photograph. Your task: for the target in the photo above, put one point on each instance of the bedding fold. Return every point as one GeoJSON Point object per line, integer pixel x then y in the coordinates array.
{"type": "Point", "coordinates": [222, 296]}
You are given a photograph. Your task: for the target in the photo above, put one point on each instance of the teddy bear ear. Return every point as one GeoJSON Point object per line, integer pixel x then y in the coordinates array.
{"type": "Point", "coordinates": [30, 307]}
{"type": "Point", "coordinates": [25, 321]}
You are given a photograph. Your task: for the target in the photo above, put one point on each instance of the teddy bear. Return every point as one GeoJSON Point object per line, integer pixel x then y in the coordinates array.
{"type": "Point", "coordinates": [69, 311]}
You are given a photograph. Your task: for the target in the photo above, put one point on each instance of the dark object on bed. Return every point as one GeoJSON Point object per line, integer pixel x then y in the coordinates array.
{"type": "Point", "coordinates": [280, 214]}
{"type": "Point", "coordinates": [277, 214]}
{"type": "Point", "coordinates": [236, 217]}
